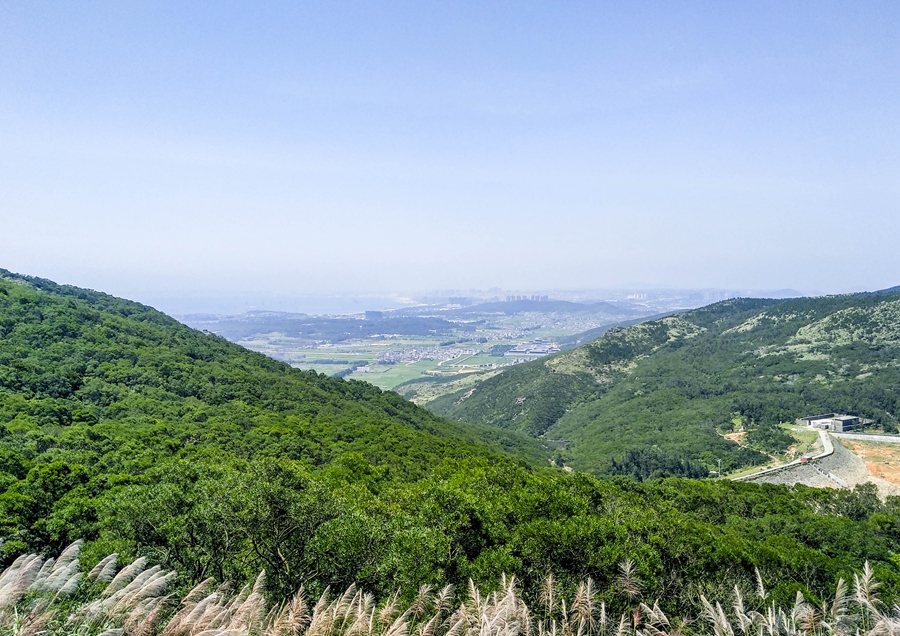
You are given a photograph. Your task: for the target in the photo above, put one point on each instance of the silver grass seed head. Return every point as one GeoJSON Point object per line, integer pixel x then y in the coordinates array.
{"type": "Point", "coordinates": [125, 576]}
{"type": "Point", "coordinates": [70, 554]}
{"type": "Point", "coordinates": [198, 591]}
{"type": "Point", "coordinates": [390, 608]}
{"type": "Point", "coordinates": [104, 570]}
{"type": "Point", "coordinates": [42, 576]}
{"type": "Point", "coordinates": [70, 585]}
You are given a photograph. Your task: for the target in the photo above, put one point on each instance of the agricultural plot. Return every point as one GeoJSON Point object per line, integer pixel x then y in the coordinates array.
{"type": "Point", "coordinates": [408, 345]}
{"type": "Point", "coordinates": [389, 360]}
{"type": "Point", "coordinates": [388, 376]}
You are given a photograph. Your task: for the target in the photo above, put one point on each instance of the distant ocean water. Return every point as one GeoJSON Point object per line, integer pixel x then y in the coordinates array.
{"type": "Point", "coordinates": [308, 304]}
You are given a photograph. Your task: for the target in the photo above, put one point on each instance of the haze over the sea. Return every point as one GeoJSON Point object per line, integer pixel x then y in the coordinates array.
{"type": "Point", "coordinates": [158, 150]}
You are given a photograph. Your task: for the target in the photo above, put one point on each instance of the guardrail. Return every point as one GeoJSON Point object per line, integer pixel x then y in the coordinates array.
{"type": "Point", "coordinates": [768, 471]}
{"type": "Point", "coordinates": [869, 437]}
{"type": "Point", "coordinates": [829, 475]}
{"type": "Point", "coordinates": [827, 449]}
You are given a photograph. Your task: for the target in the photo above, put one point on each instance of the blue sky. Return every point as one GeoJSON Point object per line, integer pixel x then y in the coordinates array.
{"type": "Point", "coordinates": [155, 148]}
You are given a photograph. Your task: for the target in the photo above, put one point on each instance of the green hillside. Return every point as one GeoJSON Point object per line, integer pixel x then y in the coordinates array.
{"type": "Point", "coordinates": [657, 397]}
{"type": "Point", "coordinates": [145, 438]}
{"type": "Point", "coordinates": [85, 361]}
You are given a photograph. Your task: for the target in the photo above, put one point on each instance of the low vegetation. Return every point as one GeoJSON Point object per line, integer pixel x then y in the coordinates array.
{"type": "Point", "coordinates": [214, 515]}
{"type": "Point", "coordinates": [53, 597]}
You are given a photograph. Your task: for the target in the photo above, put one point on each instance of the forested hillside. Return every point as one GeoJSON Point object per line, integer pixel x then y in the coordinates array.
{"type": "Point", "coordinates": [656, 398]}
{"type": "Point", "coordinates": [124, 428]}
{"type": "Point", "coordinates": [88, 362]}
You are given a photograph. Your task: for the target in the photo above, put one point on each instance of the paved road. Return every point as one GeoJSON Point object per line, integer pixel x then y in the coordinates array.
{"type": "Point", "coordinates": [828, 449]}
{"type": "Point", "coordinates": [835, 467]}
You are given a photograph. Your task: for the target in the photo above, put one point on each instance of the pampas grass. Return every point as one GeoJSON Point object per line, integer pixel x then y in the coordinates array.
{"type": "Point", "coordinates": [51, 597]}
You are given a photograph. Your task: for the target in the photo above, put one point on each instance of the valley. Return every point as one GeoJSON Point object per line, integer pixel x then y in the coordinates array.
{"type": "Point", "coordinates": [127, 430]}
{"type": "Point", "coordinates": [449, 319]}
{"type": "Point", "coordinates": [667, 395]}
{"type": "Point", "coordinates": [440, 341]}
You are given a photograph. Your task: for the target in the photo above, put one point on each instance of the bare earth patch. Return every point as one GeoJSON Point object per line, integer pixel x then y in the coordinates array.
{"type": "Point", "coordinates": [737, 438]}
{"type": "Point", "coordinates": [881, 460]}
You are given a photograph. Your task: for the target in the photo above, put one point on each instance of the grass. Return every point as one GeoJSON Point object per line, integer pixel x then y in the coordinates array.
{"type": "Point", "coordinates": [749, 470]}
{"type": "Point", "coordinates": [387, 376]}
{"type": "Point", "coordinates": [806, 438]}
{"type": "Point", "coordinates": [54, 597]}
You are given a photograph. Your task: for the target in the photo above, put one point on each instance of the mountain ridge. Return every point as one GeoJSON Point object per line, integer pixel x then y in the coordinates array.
{"type": "Point", "coordinates": [674, 386]}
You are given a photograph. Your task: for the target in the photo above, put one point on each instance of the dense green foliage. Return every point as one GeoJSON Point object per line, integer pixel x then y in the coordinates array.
{"type": "Point", "coordinates": [87, 361]}
{"type": "Point", "coordinates": [677, 384]}
{"type": "Point", "coordinates": [121, 426]}
{"type": "Point", "coordinates": [88, 380]}
{"type": "Point", "coordinates": [578, 339]}
{"type": "Point", "coordinates": [651, 463]}
{"type": "Point", "coordinates": [228, 518]}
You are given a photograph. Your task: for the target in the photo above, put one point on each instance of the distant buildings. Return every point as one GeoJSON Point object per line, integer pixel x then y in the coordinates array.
{"type": "Point", "coordinates": [537, 347]}
{"type": "Point", "coordinates": [534, 297]}
{"type": "Point", "coordinates": [422, 354]}
{"type": "Point", "coordinates": [831, 421]}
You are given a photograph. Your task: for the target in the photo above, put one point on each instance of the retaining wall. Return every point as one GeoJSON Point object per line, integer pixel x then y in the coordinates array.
{"type": "Point", "coordinates": [835, 467]}
{"type": "Point", "coordinates": [827, 449]}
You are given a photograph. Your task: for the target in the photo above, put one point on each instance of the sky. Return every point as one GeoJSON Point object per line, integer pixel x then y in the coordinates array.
{"type": "Point", "coordinates": [160, 150]}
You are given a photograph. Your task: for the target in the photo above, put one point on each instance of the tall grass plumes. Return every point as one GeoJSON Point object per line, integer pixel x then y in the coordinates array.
{"type": "Point", "coordinates": [54, 597]}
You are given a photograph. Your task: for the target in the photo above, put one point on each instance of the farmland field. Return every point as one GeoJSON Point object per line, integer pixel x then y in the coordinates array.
{"type": "Point", "coordinates": [393, 348]}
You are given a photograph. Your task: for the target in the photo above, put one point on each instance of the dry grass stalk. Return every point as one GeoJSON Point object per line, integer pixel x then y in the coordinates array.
{"type": "Point", "coordinates": [36, 600]}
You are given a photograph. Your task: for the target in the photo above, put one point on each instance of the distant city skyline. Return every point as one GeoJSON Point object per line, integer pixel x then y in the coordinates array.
{"type": "Point", "coordinates": [172, 151]}
{"type": "Point", "coordinates": [359, 303]}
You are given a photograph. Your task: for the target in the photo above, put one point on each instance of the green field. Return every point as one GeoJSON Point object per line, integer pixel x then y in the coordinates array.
{"type": "Point", "coordinates": [334, 358]}
{"type": "Point", "coordinates": [387, 376]}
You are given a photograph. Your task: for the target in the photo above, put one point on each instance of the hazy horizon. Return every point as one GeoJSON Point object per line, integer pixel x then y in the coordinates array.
{"type": "Point", "coordinates": [164, 152]}
{"type": "Point", "coordinates": [348, 303]}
